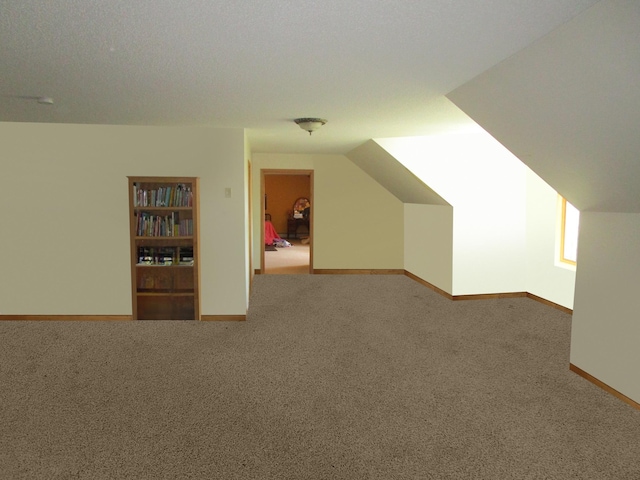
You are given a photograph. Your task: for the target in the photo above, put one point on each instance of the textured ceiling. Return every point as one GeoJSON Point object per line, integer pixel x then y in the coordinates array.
{"type": "Point", "coordinates": [372, 68]}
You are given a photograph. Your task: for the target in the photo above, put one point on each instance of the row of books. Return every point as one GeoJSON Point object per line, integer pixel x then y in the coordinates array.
{"type": "Point", "coordinates": [165, 256]}
{"type": "Point", "coordinates": [149, 225]}
{"type": "Point", "coordinates": [179, 195]}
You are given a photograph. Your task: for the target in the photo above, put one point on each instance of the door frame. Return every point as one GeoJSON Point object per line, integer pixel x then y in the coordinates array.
{"type": "Point", "coordinates": [279, 171]}
{"type": "Point", "coordinates": [250, 226]}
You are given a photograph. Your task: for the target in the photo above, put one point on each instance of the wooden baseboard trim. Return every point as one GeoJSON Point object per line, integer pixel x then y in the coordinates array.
{"type": "Point", "coordinates": [206, 318]}
{"type": "Point", "coordinates": [488, 296]}
{"type": "Point", "coordinates": [604, 386]}
{"type": "Point", "coordinates": [430, 286]}
{"type": "Point", "coordinates": [549, 303]}
{"type": "Point", "coordinates": [68, 317]}
{"type": "Point", "coordinates": [379, 271]}
{"type": "Point", "coordinates": [241, 318]}
{"type": "Point", "coordinates": [223, 318]}
{"type": "Point", "coordinates": [257, 271]}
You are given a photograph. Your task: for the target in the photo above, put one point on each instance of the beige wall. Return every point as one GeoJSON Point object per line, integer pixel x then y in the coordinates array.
{"type": "Point", "coordinates": [428, 243]}
{"type": "Point", "coordinates": [357, 223]}
{"type": "Point", "coordinates": [65, 227]}
{"type": "Point", "coordinates": [546, 276]}
{"type": "Point", "coordinates": [606, 319]}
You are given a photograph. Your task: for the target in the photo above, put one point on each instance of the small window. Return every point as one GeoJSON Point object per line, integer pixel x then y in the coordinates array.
{"type": "Point", "coordinates": [569, 233]}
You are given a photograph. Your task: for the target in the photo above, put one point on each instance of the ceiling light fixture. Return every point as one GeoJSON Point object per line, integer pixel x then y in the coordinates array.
{"type": "Point", "coordinates": [38, 98]}
{"type": "Point", "coordinates": [310, 124]}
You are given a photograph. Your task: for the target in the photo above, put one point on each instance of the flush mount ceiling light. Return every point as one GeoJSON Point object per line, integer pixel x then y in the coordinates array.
{"type": "Point", "coordinates": [310, 124]}
{"type": "Point", "coordinates": [38, 98]}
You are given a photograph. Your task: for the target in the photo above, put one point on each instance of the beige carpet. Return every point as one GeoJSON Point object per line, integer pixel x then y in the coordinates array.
{"type": "Point", "coordinates": [331, 377]}
{"type": "Point", "coordinates": [292, 260]}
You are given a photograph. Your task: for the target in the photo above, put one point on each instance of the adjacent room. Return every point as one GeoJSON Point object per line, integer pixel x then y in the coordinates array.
{"type": "Point", "coordinates": [287, 227]}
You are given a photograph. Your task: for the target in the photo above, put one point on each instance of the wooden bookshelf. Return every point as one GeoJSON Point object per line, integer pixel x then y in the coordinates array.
{"type": "Point", "coordinates": [165, 255]}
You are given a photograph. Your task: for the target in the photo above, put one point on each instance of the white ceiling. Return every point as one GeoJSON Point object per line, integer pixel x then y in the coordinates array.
{"type": "Point", "coordinates": [372, 68]}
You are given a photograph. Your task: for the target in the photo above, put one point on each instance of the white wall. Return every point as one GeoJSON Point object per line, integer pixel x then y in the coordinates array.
{"type": "Point", "coordinates": [428, 243]}
{"type": "Point", "coordinates": [65, 227]}
{"type": "Point", "coordinates": [357, 223]}
{"type": "Point", "coordinates": [546, 277]}
{"type": "Point", "coordinates": [606, 318]}
{"type": "Point", "coordinates": [504, 217]}
{"type": "Point", "coordinates": [486, 187]}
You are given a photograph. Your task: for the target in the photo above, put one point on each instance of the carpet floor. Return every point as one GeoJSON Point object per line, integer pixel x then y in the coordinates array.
{"type": "Point", "coordinates": [330, 377]}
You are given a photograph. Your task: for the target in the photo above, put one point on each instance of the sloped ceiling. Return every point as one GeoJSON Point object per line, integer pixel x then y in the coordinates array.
{"type": "Point", "coordinates": [392, 175]}
{"type": "Point", "coordinates": [569, 107]}
{"type": "Point", "coordinates": [374, 69]}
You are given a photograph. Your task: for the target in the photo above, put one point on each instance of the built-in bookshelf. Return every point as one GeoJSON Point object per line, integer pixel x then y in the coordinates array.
{"type": "Point", "coordinates": [165, 257]}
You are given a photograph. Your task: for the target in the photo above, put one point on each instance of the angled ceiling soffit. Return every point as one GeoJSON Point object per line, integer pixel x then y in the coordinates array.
{"type": "Point", "coordinates": [567, 106]}
{"type": "Point", "coordinates": [383, 167]}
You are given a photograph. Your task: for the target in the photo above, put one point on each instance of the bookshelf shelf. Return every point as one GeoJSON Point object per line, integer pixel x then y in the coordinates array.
{"type": "Point", "coordinates": [163, 294]}
{"type": "Point", "coordinates": [164, 226]}
{"type": "Point", "coordinates": [164, 237]}
{"type": "Point", "coordinates": [161, 209]}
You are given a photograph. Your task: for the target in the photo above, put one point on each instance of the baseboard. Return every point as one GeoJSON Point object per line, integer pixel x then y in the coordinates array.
{"type": "Point", "coordinates": [320, 271]}
{"type": "Point", "coordinates": [223, 318]}
{"type": "Point", "coordinates": [378, 271]}
{"type": "Point", "coordinates": [68, 317]}
{"type": "Point", "coordinates": [350, 271]}
{"type": "Point", "coordinates": [604, 386]}
{"type": "Point", "coordinates": [206, 318]}
{"type": "Point", "coordinates": [488, 296]}
{"type": "Point", "coordinates": [549, 303]}
{"type": "Point", "coordinates": [430, 286]}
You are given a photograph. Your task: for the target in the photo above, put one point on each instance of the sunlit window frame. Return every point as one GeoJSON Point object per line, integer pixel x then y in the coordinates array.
{"type": "Point", "coordinates": [563, 224]}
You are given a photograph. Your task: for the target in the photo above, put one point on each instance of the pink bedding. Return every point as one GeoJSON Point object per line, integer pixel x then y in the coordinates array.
{"type": "Point", "coordinates": [270, 233]}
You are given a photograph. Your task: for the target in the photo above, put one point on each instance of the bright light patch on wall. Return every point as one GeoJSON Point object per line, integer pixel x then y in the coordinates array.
{"type": "Point", "coordinates": [570, 225]}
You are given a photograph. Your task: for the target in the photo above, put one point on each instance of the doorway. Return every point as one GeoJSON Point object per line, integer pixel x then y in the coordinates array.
{"type": "Point", "coordinates": [287, 229]}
